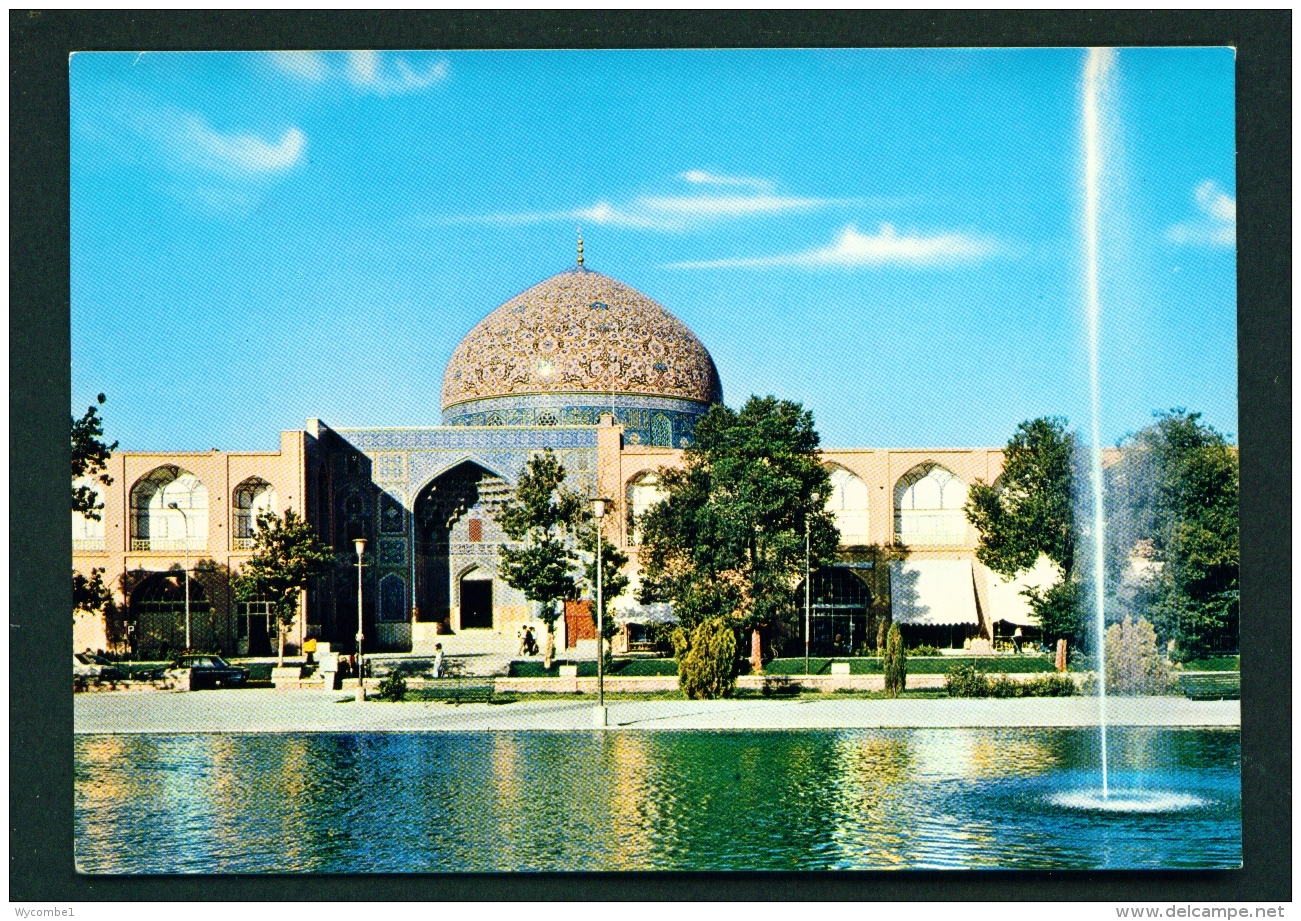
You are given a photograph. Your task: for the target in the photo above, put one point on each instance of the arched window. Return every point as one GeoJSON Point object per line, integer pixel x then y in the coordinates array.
{"type": "Point", "coordinates": [252, 497]}
{"type": "Point", "coordinates": [169, 511]}
{"type": "Point", "coordinates": [88, 533]}
{"type": "Point", "coordinates": [643, 493]}
{"type": "Point", "coordinates": [848, 503]}
{"type": "Point", "coordinates": [661, 431]}
{"type": "Point", "coordinates": [158, 610]}
{"type": "Point", "coordinates": [392, 598]}
{"type": "Point", "coordinates": [928, 507]}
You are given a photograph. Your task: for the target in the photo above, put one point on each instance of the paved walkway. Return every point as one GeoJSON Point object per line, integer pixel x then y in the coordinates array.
{"type": "Point", "coordinates": [320, 711]}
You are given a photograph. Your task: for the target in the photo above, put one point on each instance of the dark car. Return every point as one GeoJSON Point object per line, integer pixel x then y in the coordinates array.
{"type": "Point", "coordinates": [210, 671]}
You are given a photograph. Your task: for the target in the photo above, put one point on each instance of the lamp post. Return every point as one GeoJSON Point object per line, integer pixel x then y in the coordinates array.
{"type": "Point", "coordinates": [186, 518]}
{"type": "Point", "coordinates": [360, 544]}
{"type": "Point", "coordinates": [601, 716]}
{"type": "Point", "coordinates": [808, 585]}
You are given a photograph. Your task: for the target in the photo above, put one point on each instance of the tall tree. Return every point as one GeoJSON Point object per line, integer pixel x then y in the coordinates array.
{"type": "Point", "coordinates": [1029, 513]}
{"type": "Point", "coordinates": [728, 538]}
{"type": "Point", "coordinates": [545, 517]}
{"type": "Point", "coordinates": [287, 555]}
{"type": "Point", "coordinates": [90, 457]}
{"type": "Point", "coordinates": [1175, 494]}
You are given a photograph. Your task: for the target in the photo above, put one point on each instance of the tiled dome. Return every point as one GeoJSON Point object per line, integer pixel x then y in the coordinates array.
{"type": "Point", "coordinates": [580, 332]}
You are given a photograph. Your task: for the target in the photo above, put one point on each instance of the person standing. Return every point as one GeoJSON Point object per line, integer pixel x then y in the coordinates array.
{"type": "Point", "coordinates": [438, 660]}
{"type": "Point", "coordinates": [1016, 640]}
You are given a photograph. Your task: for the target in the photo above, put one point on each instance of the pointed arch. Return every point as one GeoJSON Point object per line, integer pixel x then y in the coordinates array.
{"type": "Point", "coordinates": [88, 533]}
{"type": "Point", "coordinates": [929, 502]}
{"type": "Point", "coordinates": [250, 499]}
{"type": "Point", "coordinates": [643, 492]}
{"type": "Point", "coordinates": [848, 503]}
{"type": "Point", "coordinates": [169, 510]}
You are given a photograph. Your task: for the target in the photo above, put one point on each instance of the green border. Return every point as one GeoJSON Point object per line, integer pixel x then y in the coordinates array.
{"type": "Point", "coordinates": [41, 865]}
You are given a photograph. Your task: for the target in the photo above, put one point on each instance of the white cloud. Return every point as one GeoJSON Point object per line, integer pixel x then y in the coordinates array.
{"type": "Point", "coordinates": [670, 213]}
{"type": "Point", "coordinates": [197, 142]}
{"type": "Point", "coordinates": [710, 206]}
{"type": "Point", "coordinates": [855, 248]}
{"type": "Point", "coordinates": [702, 177]}
{"type": "Point", "coordinates": [305, 65]}
{"type": "Point", "coordinates": [1218, 223]}
{"type": "Point", "coordinates": [369, 71]}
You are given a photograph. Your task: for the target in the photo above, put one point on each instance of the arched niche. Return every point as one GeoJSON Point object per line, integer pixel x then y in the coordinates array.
{"type": "Point", "coordinates": [250, 499]}
{"type": "Point", "coordinates": [848, 504]}
{"type": "Point", "coordinates": [88, 533]}
{"type": "Point", "coordinates": [169, 511]}
{"type": "Point", "coordinates": [928, 507]}
{"type": "Point", "coordinates": [643, 492]}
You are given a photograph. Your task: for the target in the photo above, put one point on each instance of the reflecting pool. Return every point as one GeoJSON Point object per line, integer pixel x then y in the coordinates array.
{"type": "Point", "coordinates": [644, 800]}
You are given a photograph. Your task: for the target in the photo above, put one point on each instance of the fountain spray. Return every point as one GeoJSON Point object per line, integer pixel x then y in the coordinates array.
{"type": "Point", "coordinates": [1098, 62]}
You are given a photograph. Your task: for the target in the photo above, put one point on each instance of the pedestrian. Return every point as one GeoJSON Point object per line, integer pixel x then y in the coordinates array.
{"type": "Point", "coordinates": [530, 644]}
{"type": "Point", "coordinates": [438, 660]}
{"type": "Point", "coordinates": [1016, 640]}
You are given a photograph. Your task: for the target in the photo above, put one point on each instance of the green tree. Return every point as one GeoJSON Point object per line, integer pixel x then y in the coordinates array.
{"type": "Point", "coordinates": [546, 517]}
{"type": "Point", "coordinates": [89, 459]}
{"type": "Point", "coordinates": [728, 539]}
{"type": "Point", "coordinates": [91, 596]}
{"type": "Point", "coordinates": [613, 580]}
{"type": "Point", "coordinates": [706, 659]}
{"type": "Point", "coordinates": [1030, 513]}
{"type": "Point", "coordinates": [1175, 493]}
{"type": "Point", "coordinates": [287, 555]}
{"type": "Point", "coordinates": [895, 663]}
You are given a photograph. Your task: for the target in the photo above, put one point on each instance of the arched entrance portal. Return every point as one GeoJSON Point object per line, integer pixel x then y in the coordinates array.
{"type": "Point", "coordinates": [158, 612]}
{"type": "Point", "coordinates": [456, 536]}
{"type": "Point", "coordinates": [840, 612]}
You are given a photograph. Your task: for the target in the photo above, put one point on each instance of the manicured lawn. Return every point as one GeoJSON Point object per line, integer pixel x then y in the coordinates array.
{"type": "Point", "coordinates": [918, 665]}
{"type": "Point", "coordinates": [1214, 664]}
{"type": "Point", "coordinates": [622, 668]}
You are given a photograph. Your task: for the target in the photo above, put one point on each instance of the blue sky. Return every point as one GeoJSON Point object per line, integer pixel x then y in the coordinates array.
{"type": "Point", "coordinates": [893, 238]}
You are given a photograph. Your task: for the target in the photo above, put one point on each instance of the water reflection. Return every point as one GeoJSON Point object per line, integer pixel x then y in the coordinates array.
{"type": "Point", "coordinates": [647, 800]}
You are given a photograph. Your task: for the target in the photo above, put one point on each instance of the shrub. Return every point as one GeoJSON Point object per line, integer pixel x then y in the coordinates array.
{"type": "Point", "coordinates": [1134, 665]}
{"type": "Point", "coordinates": [393, 688]}
{"type": "Point", "coordinates": [894, 663]}
{"type": "Point", "coordinates": [706, 659]}
{"type": "Point", "coordinates": [924, 650]}
{"type": "Point", "coordinates": [1043, 686]}
{"type": "Point", "coordinates": [965, 680]}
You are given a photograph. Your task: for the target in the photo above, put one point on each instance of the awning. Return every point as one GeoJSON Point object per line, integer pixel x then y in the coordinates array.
{"type": "Point", "coordinates": [628, 611]}
{"type": "Point", "coordinates": [1006, 603]}
{"type": "Point", "coordinates": [933, 592]}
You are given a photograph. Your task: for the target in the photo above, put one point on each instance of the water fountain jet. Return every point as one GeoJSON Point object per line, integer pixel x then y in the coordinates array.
{"type": "Point", "coordinates": [1098, 62]}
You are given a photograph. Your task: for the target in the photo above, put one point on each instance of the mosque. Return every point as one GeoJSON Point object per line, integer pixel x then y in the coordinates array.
{"type": "Point", "coordinates": [582, 364]}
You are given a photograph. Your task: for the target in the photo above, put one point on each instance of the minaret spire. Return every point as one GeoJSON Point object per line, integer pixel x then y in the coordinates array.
{"type": "Point", "coordinates": [580, 247]}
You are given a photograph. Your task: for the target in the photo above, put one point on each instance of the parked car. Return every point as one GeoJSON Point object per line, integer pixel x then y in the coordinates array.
{"type": "Point", "coordinates": [209, 671]}
{"type": "Point", "coordinates": [94, 667]}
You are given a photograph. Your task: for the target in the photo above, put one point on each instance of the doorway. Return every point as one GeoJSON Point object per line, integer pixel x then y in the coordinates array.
{"type": "Point", "coordinates": [476, 604]}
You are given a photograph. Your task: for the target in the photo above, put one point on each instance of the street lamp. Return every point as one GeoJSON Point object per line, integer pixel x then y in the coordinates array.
{"type": "Point", "coordinates": [601, 715]}
{"type": "Point", "coordinates": [808, 585]}
{"type": "Point", "coordinates": [360, 544]}
{"type": "Point", "coordinates": [186, 518]}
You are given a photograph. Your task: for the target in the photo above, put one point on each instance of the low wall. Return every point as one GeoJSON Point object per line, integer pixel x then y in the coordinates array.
{"type": "Point", "coordinates": [773, 683]}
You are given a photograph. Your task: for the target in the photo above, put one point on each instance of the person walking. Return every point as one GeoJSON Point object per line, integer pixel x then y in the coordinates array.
{"type": "Point", "coordinates": [1016, 640]}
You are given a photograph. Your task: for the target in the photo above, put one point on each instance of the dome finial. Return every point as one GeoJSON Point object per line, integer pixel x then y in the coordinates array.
{"type": "Point", "coordinates": [580, 247]}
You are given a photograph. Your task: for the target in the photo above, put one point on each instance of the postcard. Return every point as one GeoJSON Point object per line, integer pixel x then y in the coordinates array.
{"type": "Point", "coordinates": [775, 459]}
